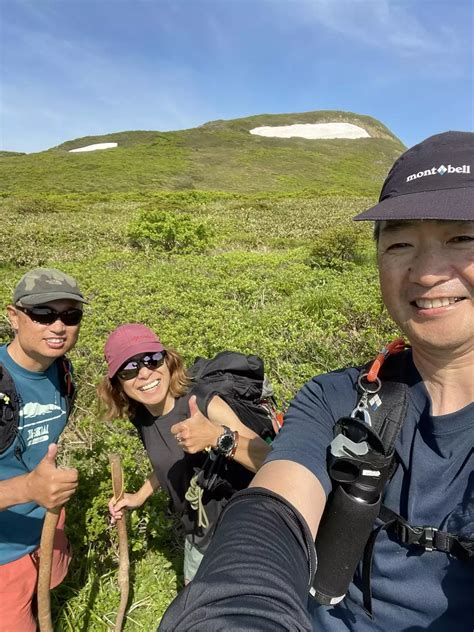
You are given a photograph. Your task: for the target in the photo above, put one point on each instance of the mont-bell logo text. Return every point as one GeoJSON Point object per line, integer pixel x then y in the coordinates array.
{"type": "Point", "coordinates": [441, 170]}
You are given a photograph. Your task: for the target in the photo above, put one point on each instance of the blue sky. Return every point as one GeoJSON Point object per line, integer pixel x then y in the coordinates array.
{"type": "Point", "coordinates": [72, 68]}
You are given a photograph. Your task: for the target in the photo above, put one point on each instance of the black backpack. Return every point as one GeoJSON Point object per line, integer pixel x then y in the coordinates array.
{"type": "Point", "coordinates": [241, 382]}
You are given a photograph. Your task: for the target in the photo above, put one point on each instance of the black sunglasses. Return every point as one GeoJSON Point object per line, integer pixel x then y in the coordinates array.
{"type": "Point", "coordinates": [132, 368]}
{"type": "Point", "coordinates": [47, 315]}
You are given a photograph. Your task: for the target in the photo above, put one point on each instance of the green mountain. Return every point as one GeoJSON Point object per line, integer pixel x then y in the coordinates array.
{"type": "Point", "coordinates": [218, 156]}
{"type": "Point", "coordinates": [10, 154]}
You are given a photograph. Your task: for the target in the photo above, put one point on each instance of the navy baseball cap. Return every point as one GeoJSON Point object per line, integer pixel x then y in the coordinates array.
{"type": "Point", "coordinates": [432, 180]}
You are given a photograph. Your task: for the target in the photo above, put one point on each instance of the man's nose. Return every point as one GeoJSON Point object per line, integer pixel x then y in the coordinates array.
{"type": "Point", "coordinates": [58, 326]}
{"type": "Point", "coordinates": [428, 267]}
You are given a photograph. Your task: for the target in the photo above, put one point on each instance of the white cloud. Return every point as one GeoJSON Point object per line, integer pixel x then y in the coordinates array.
{"type": "Point", "coordinates": [383, 24]}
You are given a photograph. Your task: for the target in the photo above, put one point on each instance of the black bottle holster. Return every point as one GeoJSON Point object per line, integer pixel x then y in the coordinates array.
{"type": "Point", "coordinates": [359, 468]}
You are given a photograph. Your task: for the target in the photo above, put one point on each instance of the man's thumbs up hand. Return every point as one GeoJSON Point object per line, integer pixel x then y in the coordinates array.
{"type": "Point", "coordinates": [48, 485]}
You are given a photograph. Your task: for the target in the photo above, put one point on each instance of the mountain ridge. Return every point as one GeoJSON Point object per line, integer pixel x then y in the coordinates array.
{"type": "Point", "coordinates": [217, 155]}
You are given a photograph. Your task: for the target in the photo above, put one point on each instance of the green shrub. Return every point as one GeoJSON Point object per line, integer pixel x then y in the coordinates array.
{"type": "Point", "coordinates": [169, 232]}
{"type": "Point", "coordinates": [340, 246]}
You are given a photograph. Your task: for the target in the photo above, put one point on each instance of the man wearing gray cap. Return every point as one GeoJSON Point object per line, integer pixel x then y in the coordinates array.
{"type": "Point", "coordinates": [373, 463]}
{"type": "Point", "coordinates": [36, 394]}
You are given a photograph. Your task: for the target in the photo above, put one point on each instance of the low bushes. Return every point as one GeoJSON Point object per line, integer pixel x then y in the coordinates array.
{"type": "Point", "coordinates": [172, 233]}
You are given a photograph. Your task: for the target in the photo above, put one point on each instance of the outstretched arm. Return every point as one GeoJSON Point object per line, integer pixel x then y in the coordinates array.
{"type": "Point", "coordinates": [258, 568]}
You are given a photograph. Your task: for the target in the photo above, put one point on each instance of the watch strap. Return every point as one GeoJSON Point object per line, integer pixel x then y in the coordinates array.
{"type": "Point", "coordinates": [231, 454]}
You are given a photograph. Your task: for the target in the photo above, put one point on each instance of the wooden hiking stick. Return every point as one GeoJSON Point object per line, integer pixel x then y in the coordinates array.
{"type": "Point", "coordinates": [44, 573]}
{"type": "Point", "coordinates": [123, 578]}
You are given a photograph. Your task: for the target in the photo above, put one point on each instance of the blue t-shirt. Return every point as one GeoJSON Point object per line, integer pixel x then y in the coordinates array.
{"type": "Point", "coordinates": [42, 419]}
{"type": "Point", "coordinates": [413, 590]}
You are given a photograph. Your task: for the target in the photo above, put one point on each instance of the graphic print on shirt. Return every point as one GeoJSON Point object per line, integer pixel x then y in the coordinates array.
{"type": "Point", "coordinates": [36, 419]}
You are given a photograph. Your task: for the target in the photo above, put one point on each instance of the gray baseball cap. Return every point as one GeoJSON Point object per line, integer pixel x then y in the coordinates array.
{"type": "Point", "coordinates": [43, 285]}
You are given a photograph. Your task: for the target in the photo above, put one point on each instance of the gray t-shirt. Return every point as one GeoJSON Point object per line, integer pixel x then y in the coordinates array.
{"type": "Point", "coordinates": [174, 468]}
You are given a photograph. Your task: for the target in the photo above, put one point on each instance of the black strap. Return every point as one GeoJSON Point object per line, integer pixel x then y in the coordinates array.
{"type": "Point", "coordinates": [9, 410]}
{"type": "Point", "coordinates": [427, 537]}
{"type": "Point", "coordinates": [66, 383]}
{"type": "Point", "coordinates": [430, 538]}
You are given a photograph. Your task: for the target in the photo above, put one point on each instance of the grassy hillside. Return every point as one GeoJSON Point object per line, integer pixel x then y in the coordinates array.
{"type": "Point", "coordinates": [221, 155]}
{"type": "Point", "coordinates": [11, 154]}
{"type": "Point", "coordinates": [278, 270]}
{"type": "Point", "coordinates": [281, 278]}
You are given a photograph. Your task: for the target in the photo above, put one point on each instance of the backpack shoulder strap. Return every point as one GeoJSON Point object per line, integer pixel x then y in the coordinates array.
{"type": "Point", "coordinates": [386, 398]}
{"type": "Point", "coordinates": [66, 383]}
{"type": "Point", "coordinates": [9, 409]}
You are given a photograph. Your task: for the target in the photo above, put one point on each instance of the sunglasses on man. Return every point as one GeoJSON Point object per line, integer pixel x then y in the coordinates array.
{"type": "Point", "coordinates": [45, 315]}
{"type": "Point", "coordinates": [151, 361]}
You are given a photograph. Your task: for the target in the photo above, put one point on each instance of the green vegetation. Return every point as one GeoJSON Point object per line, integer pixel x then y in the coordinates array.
{"type": "Point", "coordinates": [165, 231]}
{"type": "Point", "coordinates": [285, 275]}
{"type": "Point", "coordinates": [221, 155]}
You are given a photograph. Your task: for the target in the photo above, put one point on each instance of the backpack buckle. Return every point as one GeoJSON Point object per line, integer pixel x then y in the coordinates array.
{"type": "Point", "coordinates": [422, 536]}
{"type": "Point", "coordinates": [427, 537]}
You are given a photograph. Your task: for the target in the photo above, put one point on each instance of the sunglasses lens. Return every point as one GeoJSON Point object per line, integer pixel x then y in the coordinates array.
{"type": "Point", "coordinates": [71, 316]}
{"type": "Point", "coordinates": [127, 374]}
{"type": "Point", "coordinates": [132, 368]}
{"type": "Point", "coordinates": [154, 361]}
{"type": "Point", "coordinates": [42, 315]}
{"type": "Point", "coordinates": [48, 315]}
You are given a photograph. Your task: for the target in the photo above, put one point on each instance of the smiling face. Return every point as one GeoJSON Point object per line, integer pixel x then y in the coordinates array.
{"type": "Point", "coordinates": [426, 273]}
{"type": "Point", "coordinates": [36, 346]}
{"type": "Point", "coordinates": [151, 387]}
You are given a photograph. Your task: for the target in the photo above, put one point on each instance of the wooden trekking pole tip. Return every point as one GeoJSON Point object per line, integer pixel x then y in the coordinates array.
{"type": "Point", "coordinates": [121, 526]}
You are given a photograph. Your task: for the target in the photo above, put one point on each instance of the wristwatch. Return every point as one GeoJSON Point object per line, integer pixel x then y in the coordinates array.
{"type": "Point", "coordinates": [225, 442]}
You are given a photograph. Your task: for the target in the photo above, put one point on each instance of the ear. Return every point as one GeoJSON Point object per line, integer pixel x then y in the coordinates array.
{"type": "Point", "coordinates": [13, 317]}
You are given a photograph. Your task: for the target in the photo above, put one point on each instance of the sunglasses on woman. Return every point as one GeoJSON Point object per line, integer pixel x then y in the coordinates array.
{"type": "Point", "coordinates": [149, 360]}
{"type": "Point", "coordinates": [45, 315]}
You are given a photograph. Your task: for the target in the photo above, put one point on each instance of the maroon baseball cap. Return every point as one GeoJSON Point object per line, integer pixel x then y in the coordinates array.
{"type": "Point", "coordinates": [127, 341]}
{"type": "Point", "coordinates": [432, 180]}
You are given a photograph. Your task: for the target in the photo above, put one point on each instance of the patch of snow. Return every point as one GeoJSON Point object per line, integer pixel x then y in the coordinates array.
{"type": "Point", "coordinates": [313, 131]}
{"type": "Point", "coordinates": [94, 147]}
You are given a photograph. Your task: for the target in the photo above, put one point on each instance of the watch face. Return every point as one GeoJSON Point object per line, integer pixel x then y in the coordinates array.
{"type": "Point", "coordinates": [226, 442]}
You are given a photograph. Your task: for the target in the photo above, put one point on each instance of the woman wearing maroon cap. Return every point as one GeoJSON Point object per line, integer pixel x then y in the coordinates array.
{"type": "Point", "coordinates": [177, 420]}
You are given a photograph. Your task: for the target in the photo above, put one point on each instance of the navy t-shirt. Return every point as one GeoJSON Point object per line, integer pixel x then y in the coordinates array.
{"type": "Point", "coordinates": [412, 590]}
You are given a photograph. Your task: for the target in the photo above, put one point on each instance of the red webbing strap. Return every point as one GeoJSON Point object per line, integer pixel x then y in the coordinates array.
{"type": "Point", "coordinates": [395, 346]}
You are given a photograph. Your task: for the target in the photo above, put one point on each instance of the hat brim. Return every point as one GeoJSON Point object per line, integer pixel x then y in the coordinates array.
{"type": "Point", "coordinates": [40, 299]}
{"type": "Point", "coordinates": [130, 352]}
{"type": "Point", "coordinates": [445, 204]}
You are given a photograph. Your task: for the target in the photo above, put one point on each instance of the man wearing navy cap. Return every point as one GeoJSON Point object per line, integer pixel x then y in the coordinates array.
{"type": "Point", "coordinates": [260, 566]}
{"type": "Point", "coordinates": [36, 394]}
